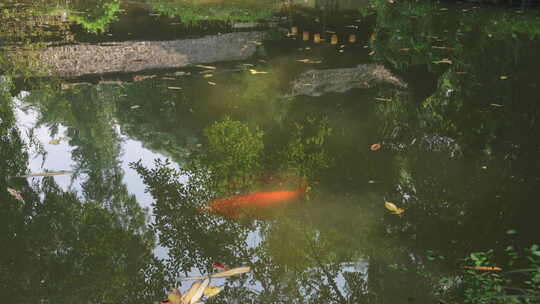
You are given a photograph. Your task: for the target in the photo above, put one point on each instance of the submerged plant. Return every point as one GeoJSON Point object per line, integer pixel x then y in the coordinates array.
{"type": "Point", "coordinates": [484, 283]}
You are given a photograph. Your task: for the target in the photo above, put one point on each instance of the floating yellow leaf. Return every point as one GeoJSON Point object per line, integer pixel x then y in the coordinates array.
{"type": "Point", "coordinates": [352, 38]}
{"type": "Point", "coordinates": [405, 49]}
{"type": "Point", "coordinates": [371, 53]}
{"type": "Point", "coordinates": [175, 297]}
{"type": "Point", "coordinates": [445, 60]}
{"type": "Point", "coordinates": [255, 72]}
{"type": "Point", "coordinates": [174, 88]}
{"type": "Point", "coordinates": [294, 30]}
{"type": "Point", "coordinates": [208, 75]}
{"type": "Point", "coordinates": [208, 67]}
{"type": "Point", "coordinates": [503, 77]}
{"type": "Point", "coordinates": [373, 36]}
{"type": "Point", "coordinates": [55, 141]}
{"type": "Point", "coordinates": [222, 274]}
{"type": "Point", "coordinates": [212, 291]}
{"type": "Point", "coordinates": [395, 210]}
{"type": "Point", "coordinates": [212, 83]}
{"type": "Point", "coordinates": [137, 78]}
{"type": "Point", "coordinates": [309, 61]}
{"type": "Point", "coordinates": [228, 273]}
{"type": "Point", "coordinates": [442, 48]}
{"type": "Point", "coordinates": [305, 36]}
{"type": "Point", "coordinates": [483, 268]}
{"type": "Point", "coordinates": [317, 38]}
{"type": "Point", "coordinates": [47, 173]}
{"type": "Point", "coordinates": [383, 99]}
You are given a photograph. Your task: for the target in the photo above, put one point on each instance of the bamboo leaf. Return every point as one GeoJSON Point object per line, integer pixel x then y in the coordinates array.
{"type": "Point", "coordinates": [175, 297]}
{"type": "Point", "coordinates": [221, 274]}
{"type": "Point", "coordinates": [255, 72]}
{"type": "Point", "coordinates": [208, 67]}
{"type": "Point", "coordinates": [186, 299]}
{"type": "Point", "coordinates": [199, 292]}
{"type": "Point", "coordinates": [212, 291]}
{"type": "Point", "coordinates": [483, 268]}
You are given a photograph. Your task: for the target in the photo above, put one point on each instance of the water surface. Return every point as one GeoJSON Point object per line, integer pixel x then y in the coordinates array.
{"type": "Point", "coordinates": [161, 107]}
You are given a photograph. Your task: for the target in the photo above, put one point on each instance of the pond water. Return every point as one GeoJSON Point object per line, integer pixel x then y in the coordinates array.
{"type": "Point", "coordinates": [347, 151]}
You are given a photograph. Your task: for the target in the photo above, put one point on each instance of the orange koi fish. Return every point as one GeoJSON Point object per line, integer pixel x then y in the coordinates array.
{"type": "Point", "coordinates": [231, 205]}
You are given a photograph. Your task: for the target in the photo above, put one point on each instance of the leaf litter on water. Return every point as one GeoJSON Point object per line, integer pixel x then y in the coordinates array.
{"type": "Point", "coordinates": [208, 67]}
{"type": "Point", "coordinates": [201, 287]}
{"type": "Point", "coordinates": [375, 147]}
{"type": "Point", "coordinates": [445, 60]}
{"type": "Point", "coordinates": [175, 297]}
{"type": "Point", "coordinates": [483, 268]}
{"type": "Point", "coordinates": [222, 274]}
{"type": "Point", "coordinates": [212, 291]}
{"type": "Point", "coordinates": [393, 208]}
{"type": "Point", "coordinates": [199, 292]}
{"type": "Point", "coordinates": [309, 61]}
{"type": "Point", "coordinates": [255, 72]}
{"type": "Point", "coordinates": [186, 298]}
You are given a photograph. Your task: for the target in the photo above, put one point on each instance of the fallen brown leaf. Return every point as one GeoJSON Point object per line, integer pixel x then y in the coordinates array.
{"type": "Point", "coordinates": [375, 147]}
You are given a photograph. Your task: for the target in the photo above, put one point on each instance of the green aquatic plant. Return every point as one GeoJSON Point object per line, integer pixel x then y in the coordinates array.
{"type": "Point", "coordinates": [95, 17]}
{"type": "Point", "coordinates": [306, 152]}
{"type": "Point", "coordinates": [234, 152]}
{"type": "Point", "coordinates": [485, 284]}
{"type": "Point", "coordinates": [194, 12]}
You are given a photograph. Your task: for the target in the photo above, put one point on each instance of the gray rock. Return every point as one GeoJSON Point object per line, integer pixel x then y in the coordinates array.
{"type": "Point", "coordinates": [134, 56]}
{"type": "Point", "coordinates": [319, 82]}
